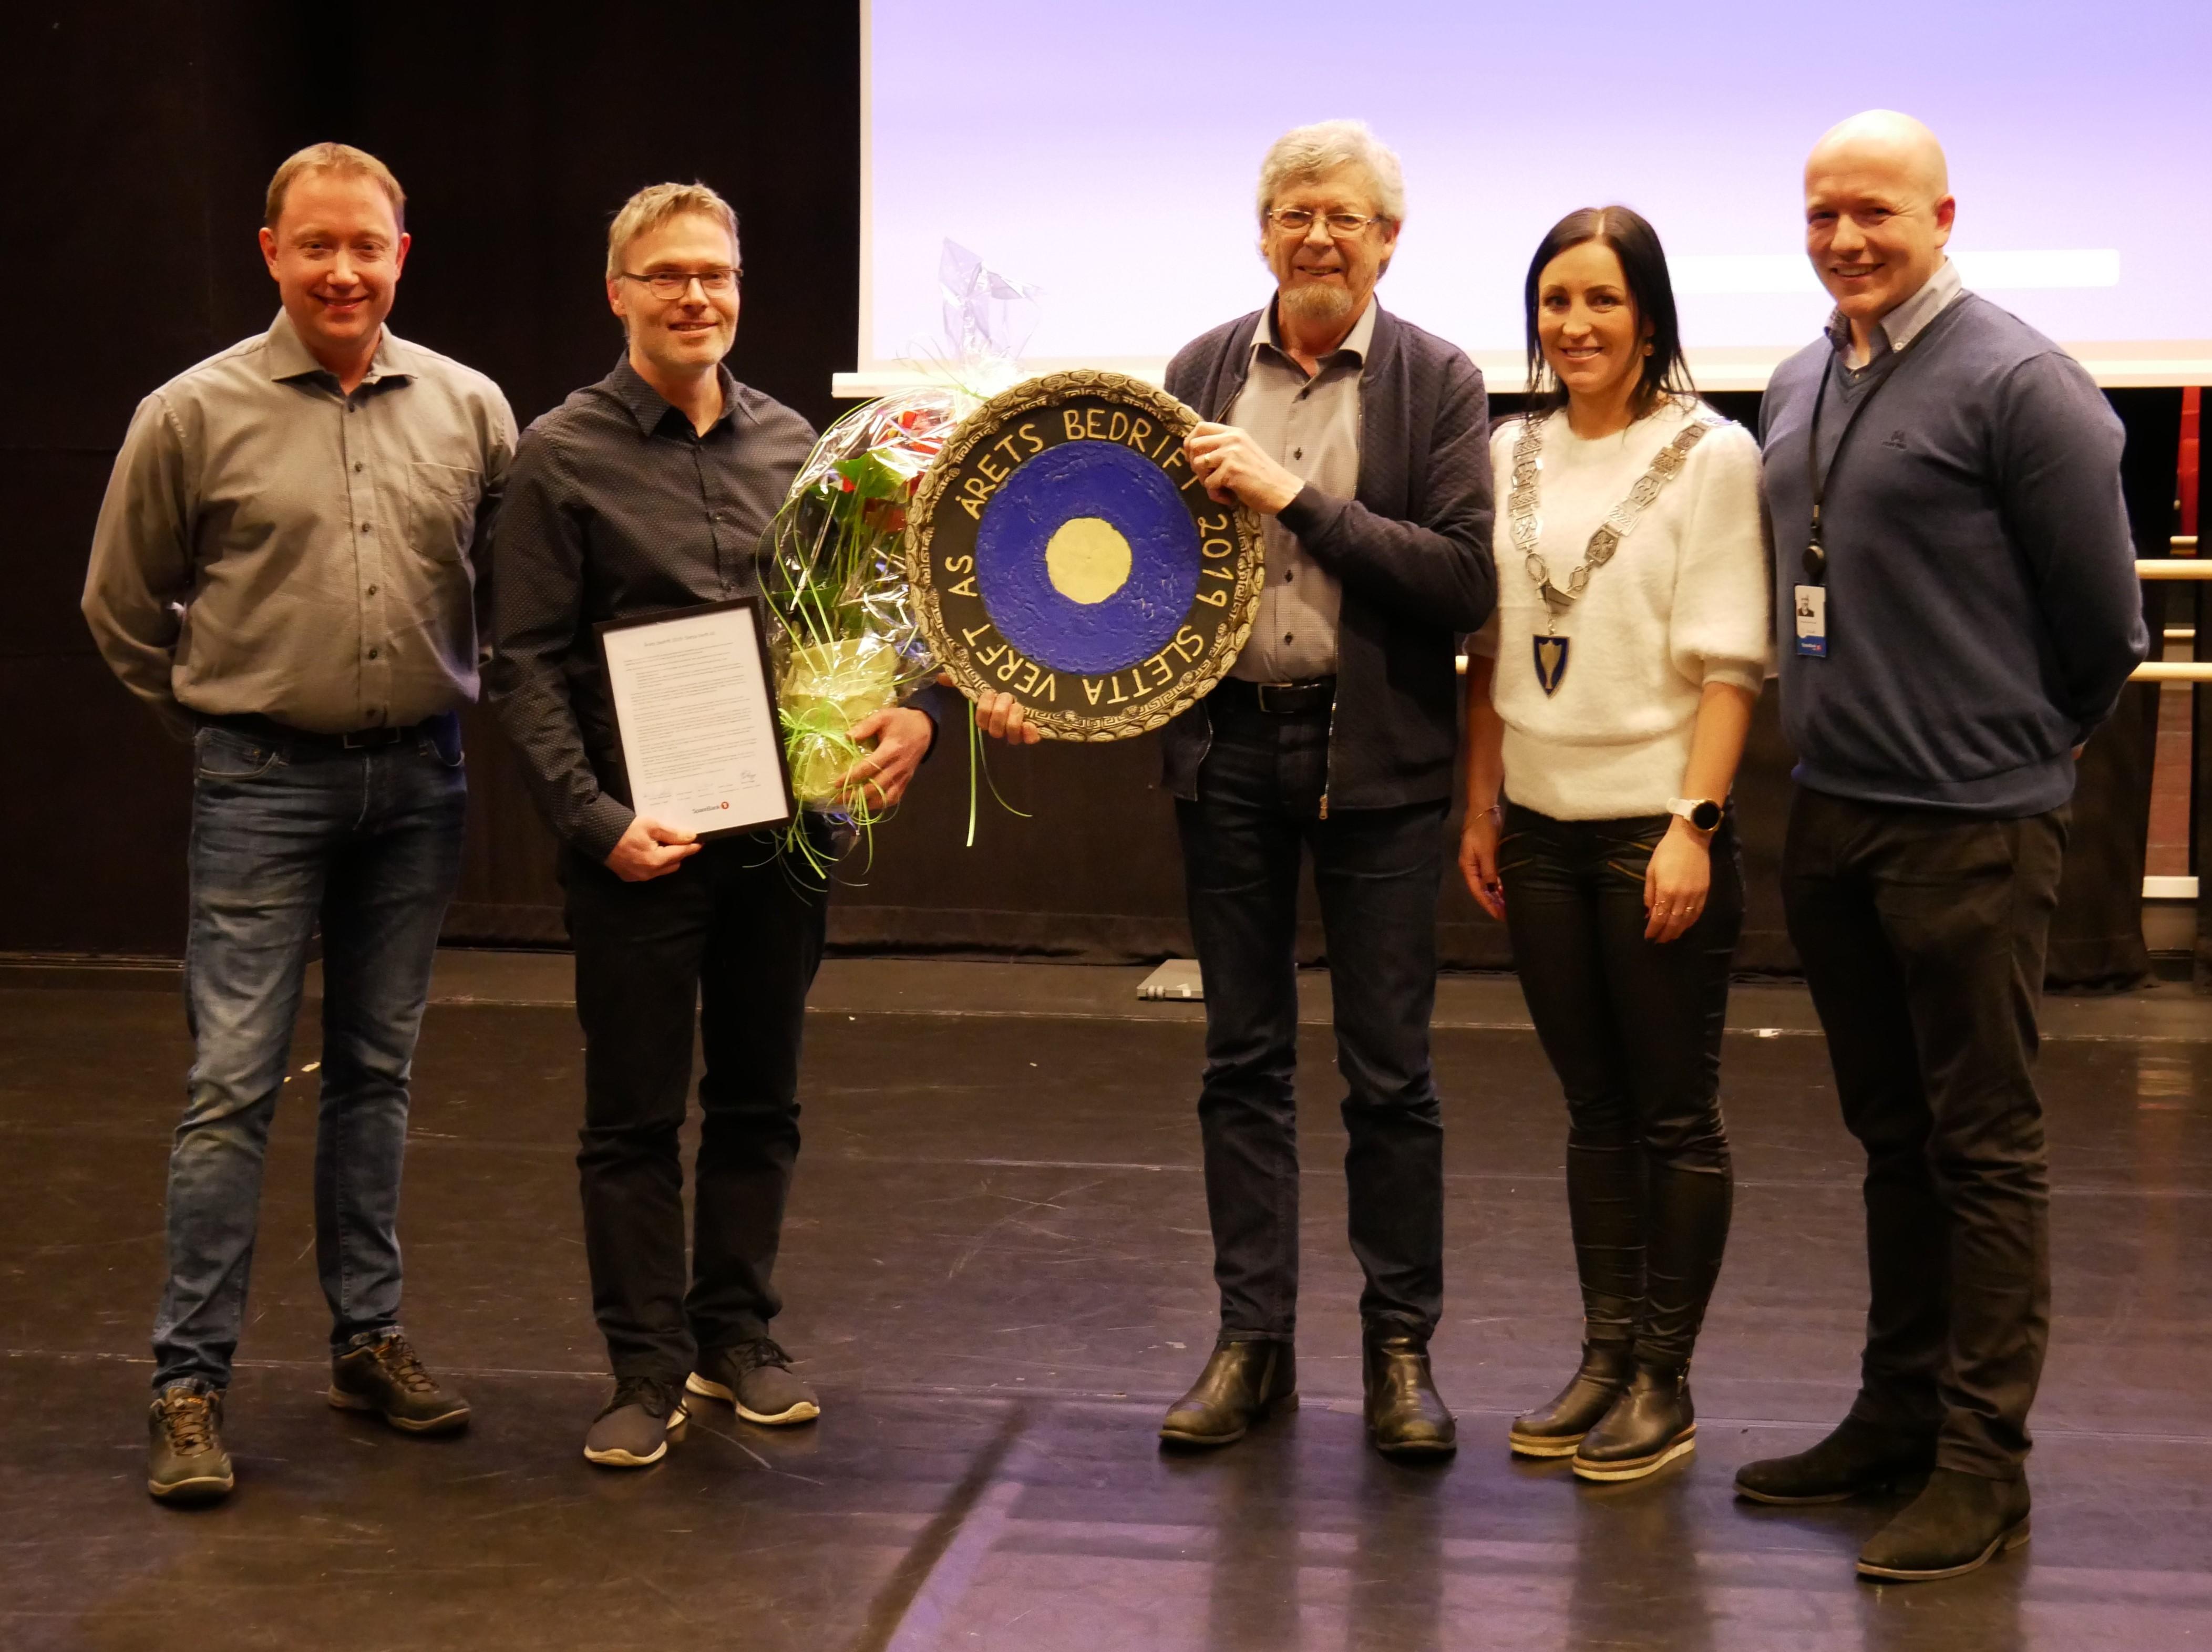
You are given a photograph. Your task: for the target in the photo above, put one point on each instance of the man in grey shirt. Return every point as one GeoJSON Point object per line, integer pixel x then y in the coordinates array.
{"type": "Point", "coordinates": [282, 572]}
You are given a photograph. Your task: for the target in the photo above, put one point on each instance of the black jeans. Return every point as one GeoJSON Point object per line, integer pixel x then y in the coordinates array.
{"type": "Point", "coordinates": [737, 934]}
{"type": "Point", "coordinates": [1634, 1028]}
{"type": "Point", "coordinates": [1923, 936]}
{"type": "Point", "coordinates": [1377, 872]}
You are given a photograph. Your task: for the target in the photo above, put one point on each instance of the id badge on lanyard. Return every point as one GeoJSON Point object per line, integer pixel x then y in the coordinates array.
{"type": "Point", "coordinates": [1810, 599]}
{"type": "Point", "coordinates": [1812, 606]}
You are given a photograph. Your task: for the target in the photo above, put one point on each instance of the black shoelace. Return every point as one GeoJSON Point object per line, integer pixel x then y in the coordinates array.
{"type": "Point", "coordinates": [754, 1355]}
{"type": "Point", "coordinates": [656, 1395]}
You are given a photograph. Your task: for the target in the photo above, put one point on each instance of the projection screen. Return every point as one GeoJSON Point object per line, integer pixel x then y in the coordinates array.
{"type": "Point", "coordinates": [1108, 156]}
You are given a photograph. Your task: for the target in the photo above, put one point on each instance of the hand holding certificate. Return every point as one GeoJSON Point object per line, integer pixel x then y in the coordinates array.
{"type": "Point", "coordinates": [696, 715]}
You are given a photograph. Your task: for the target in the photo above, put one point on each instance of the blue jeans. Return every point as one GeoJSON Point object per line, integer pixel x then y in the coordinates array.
{"type": "Point", "coordinates": [1378, 872]}
{"type": "Point", "coordinates": [369, 844]}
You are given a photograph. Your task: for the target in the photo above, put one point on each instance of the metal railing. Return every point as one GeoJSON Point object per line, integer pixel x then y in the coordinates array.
{"type": "Point", "coordinates": [2184, 564]}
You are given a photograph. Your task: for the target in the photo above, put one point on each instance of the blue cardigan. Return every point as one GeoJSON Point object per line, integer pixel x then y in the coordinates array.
{"type": "Point", "coordinates": [1411, 549]}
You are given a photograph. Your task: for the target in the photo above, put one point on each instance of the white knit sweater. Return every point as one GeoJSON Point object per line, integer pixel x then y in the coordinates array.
{"type": "Point", "coordinates": [1684, 601]}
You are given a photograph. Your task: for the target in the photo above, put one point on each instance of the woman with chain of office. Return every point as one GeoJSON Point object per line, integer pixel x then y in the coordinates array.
{"type": "Point", "coordinates": [1607, 705]}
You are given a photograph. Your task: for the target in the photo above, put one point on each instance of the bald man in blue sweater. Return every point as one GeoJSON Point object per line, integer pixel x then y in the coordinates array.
{"type": "Point", "coordinates": [1959, 608]}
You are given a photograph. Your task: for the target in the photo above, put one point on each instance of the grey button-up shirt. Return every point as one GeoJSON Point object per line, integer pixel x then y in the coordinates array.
{"type": "Point", "coordinates": [269, 544]}
{"type": "Point", "coordinates": [1311, 428]}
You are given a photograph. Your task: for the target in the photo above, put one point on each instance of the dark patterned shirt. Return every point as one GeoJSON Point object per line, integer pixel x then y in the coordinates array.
{"type": "Point", "coordinates": [616, 508]}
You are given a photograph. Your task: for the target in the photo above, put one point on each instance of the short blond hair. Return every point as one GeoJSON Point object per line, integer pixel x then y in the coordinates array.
{"type": "Point", "coordinates": [655, 205]}
{"type": "Point", "coordinates": [1305, 153]}
{"type": "Point", "coordinates": [344, 160]}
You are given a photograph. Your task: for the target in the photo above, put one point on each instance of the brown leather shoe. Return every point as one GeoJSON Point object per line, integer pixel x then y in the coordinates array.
{"type": "Point", "coordinates": [1241, 1383]}
{"type": "Point", "coordinates": [1406, 1416]}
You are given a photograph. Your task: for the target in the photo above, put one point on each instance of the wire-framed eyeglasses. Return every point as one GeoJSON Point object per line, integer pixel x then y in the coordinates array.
{"type": "Point", "coordinates": [1299, 221]}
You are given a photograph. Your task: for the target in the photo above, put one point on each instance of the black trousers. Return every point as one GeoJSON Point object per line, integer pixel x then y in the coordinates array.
{"type": "Point", "coordinates": [1634, 1029]}
{"type": "Point", "coordinates": [1378, 874]}
{"type": "Point", "coordinates": [1922, 937]}
{"type": "Point", "coordinates": [735, 936]}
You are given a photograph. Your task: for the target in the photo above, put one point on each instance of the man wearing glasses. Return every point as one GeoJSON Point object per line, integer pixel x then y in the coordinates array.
{"type": "Point", "coordinates": [281, 572]}
{"type": "Point", "coordinates": [1363, 443]}
{"type": "Point", "coordinates": [646, 493]}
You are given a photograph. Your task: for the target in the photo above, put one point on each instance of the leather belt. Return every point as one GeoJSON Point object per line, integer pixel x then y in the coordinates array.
{"type": "Point", "coordinates": [304, 743]}
{"type": "Point", "coordinates": [1302, 699]}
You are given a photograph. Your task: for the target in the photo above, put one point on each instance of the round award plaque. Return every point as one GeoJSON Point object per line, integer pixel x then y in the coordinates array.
{"type": "Point", "coordinates": [1061, 551]}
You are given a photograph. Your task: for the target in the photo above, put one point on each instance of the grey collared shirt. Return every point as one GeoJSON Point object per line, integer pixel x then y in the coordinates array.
{"type": "Point", "coordinates": [1311, 426]}
{"type": "Point", "coordinates": [271, 545]}
{"type": "Point", "coordinates": [1903, 323]}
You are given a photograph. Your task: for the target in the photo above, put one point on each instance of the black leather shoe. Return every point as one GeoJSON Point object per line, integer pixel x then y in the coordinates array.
{"type": "Point", "coordinates": [1242, 1382]}
{"type": "Point", "coordinates": [1554, 1430]}
{"type": "Point", "coordinates": [1954, 1526]}
{"type": "Point", "coordinates": [1406, 1416]}
{"type": "Point", "coordinates": [1651, 1423]}
{"type": "Point", "coordinates": [1857, 1459]}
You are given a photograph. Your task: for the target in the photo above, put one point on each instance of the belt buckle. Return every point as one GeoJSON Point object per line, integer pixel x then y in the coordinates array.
{"type": "Point", "coordinates": [1265, 692]}
{"type": "Point", "coordinates": [367, 739]}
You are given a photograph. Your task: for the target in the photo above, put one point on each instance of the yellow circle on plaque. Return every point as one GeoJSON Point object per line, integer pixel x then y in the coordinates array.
{"type": "Point", "coordinates": [1088, 559]}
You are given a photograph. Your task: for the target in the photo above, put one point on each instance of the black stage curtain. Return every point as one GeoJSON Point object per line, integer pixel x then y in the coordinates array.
{"type": "Point", "coordinates": [140, 130]}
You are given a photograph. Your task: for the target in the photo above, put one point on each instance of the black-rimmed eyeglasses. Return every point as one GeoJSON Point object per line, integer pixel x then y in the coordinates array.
{"type": "Point", "coordinates": [675, 283]}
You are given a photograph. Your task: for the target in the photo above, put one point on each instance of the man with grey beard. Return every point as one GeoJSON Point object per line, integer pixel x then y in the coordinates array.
{"type": "Point", "coordinates": [1363, 444]}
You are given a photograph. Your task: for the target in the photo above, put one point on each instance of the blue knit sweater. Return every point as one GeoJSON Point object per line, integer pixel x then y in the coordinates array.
{"type": "Point", "coordinates": [1982, 607]}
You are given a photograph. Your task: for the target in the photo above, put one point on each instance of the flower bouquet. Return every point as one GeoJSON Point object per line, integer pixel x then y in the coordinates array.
{"type": "Point", "coordinates": [844, 641]}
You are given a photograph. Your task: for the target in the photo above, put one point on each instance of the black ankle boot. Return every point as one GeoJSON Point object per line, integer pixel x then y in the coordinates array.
{"type": "Point", "coordinates": [1406, 1416]}
{"type": "Point", "coordinates": [1954, 1526]}
{"type": "Point", "coordinates": [1555, 1429]}
{"type": "Point", "coordinates": [1856, 1459]}
{"type": "Point", "coordinates": [1240, 1384]}
{"type": "Point", "coordinates": [1650, 1424]}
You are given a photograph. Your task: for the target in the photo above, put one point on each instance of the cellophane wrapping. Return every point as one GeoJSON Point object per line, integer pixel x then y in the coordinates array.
{"type": "Point", "coordinates": [844, 641]}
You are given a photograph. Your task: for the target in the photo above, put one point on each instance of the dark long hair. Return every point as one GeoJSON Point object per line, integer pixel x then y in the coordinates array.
{"type": "Point", "coordinates": [1643, 262]}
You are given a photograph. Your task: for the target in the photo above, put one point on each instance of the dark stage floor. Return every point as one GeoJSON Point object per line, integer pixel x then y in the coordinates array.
{"type": "Point", "coordinates": [996, 1270]}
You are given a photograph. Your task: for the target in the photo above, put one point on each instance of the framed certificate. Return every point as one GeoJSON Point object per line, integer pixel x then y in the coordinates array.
{"type": "Point", "coordinates": [695, 713]}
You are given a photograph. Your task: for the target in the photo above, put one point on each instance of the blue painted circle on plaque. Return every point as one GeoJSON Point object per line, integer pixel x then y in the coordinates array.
{"type": "Point", "coordinates": [1049, 569]}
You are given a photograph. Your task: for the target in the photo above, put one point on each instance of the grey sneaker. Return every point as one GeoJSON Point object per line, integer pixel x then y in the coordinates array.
{"type": "Point", "coordinates": [756, 1378]}
{"type": "Point", "coordinates": [185, 1462]}
{"type": "Point", "coordinates": [646, 1413]}
{"type": "Point", "coordinates": [378, 1372]}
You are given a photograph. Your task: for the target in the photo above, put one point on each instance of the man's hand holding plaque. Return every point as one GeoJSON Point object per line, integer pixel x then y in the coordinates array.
{"type": "Point", "coordinates": [1236, 470]}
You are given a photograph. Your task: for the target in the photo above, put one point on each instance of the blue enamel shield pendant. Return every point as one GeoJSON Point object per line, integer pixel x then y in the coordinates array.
{"type": "Point", "coordinates": [1551, 654]}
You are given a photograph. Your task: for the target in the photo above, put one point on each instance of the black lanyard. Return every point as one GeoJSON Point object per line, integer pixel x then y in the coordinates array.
{"type": "Point", "coordinates": [1816, 557]}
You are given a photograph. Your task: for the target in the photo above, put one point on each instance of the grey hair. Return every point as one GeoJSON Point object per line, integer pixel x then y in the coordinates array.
{"type": "Point", "coordinates": [1306, 152]}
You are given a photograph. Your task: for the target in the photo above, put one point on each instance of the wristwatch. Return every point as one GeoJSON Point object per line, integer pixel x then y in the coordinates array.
{"type": "Point", "coordinates": [1703, 813]}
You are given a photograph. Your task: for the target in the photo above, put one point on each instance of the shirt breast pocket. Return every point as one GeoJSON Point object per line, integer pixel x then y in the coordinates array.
{"type": "Point", "coordinates": [442, 500]}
